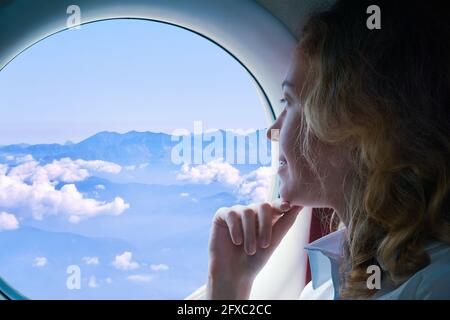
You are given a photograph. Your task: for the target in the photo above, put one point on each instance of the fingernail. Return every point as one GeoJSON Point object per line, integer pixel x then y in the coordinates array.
{"type": "Point", "coordinates": [251, 250]}
{"type": "Point", "coordinates": [264, 243]}
{"type": "Point", "coordinates": [237, 238]}
{"type": "Point", "coordinates": [285, 206]}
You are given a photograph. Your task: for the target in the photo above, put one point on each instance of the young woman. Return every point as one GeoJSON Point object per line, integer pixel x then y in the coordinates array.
{"type": "Point", "coordinates": [365, 131]}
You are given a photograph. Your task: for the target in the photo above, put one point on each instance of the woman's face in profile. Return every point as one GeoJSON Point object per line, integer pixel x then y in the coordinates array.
{"type": "Point", "coordinates": [299, 183]}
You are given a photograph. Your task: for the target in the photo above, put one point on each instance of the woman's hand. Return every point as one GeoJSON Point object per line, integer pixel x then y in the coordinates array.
{"type": "Point", "coordinates": [242, 240]}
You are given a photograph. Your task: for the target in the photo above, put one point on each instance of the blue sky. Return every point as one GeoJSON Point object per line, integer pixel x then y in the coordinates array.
{"type": "Point", "coordinates": [123, 75]}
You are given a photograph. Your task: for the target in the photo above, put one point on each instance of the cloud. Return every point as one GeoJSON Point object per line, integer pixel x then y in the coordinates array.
{"type": "Point", "coordinates": [143, 165]}
{"type": "Point", "coordinates": [253, 187]}
{"type": "Point", "coordinates": [8, 221]}
{"type": "Point", "coordinates": [3, 169]}
{"type": "Point", "coordinates": [144, 278]}
{"type": "Point", "coordinates": [62, 170]}
{"type": "Point", "coordinates": [100, 187]}
{"type": "Point", "coordinates": [159, 267]}
{"type": "Point", "coordinates": [136, 166]}
{"type": "Point", "coordinates": [124, 261]}
{"type": "Point", "coordinates": [92, 282]}
{"type": "Point", "coordinates": [91, 260]}
{"type": "Point", "coordinates": [32, 188]}
{"type": "Point", "coordinates": [24, 158]}
{"type": "Point", "coordinates": [68, 170]}
{"type": "Point", "coordinates": [108, 280]}
{"type": "Point", "coordinates": [184, 194]}
{"type": "Point", "coordinates": [215, 170]}
{"type": "Point", "coordinates": [40, 262]}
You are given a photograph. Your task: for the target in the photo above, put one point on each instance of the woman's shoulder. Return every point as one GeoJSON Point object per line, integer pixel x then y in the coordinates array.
{"type": "Point", "coordinates": [435, 278]}
{"type": "Point", "coordinates": [431, 282]}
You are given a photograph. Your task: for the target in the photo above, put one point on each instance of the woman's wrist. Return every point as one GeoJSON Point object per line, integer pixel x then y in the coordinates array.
{"type": "Point", "coordinates": [220, 288]}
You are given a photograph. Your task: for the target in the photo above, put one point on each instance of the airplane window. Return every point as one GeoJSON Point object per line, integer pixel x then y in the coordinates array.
{"type": "Point", "coordinates": [118, 142]}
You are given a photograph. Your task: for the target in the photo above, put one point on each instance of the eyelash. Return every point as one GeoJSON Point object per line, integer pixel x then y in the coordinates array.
{"type": "Point", "coordinates": [284, 102]}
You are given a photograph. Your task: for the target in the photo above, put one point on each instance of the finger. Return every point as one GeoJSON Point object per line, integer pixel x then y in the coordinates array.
{"type": "Point", "coordinates": [249, 226]}
{"type": "Point", "coordinates": [282, 206]}
{"type": "Point", "coordinates": [220, 216]}
{"type": "Point", "coordinates": [265, 214]}
{"type": "Point", "coordinates": [234, 223]}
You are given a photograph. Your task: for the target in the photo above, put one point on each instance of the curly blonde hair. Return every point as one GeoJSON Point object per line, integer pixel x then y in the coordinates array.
{"type": "Point", "coordinates": [387, 90]}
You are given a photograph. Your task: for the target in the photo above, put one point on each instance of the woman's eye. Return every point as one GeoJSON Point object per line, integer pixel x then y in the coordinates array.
{"type": "Point", "coordinates": [284, 102]}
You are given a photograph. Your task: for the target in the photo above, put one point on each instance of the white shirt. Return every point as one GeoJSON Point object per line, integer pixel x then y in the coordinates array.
{"type": "Point", "coordinates": [325, 257]}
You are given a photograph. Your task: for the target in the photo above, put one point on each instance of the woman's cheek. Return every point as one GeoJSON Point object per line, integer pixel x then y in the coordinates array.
{"type": "Point", "coordinates": [288, 185]}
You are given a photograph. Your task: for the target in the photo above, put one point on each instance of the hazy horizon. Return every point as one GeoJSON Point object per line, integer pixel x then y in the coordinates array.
{"type": "Point", "coordinates": [237, 131]}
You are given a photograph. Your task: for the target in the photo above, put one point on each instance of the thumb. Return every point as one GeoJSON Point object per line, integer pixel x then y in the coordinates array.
{"type": "Point", "coordinates": [283, 224]}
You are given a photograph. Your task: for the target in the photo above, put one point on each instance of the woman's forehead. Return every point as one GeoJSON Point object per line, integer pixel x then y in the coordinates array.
{"type": "Point", "coordinates": [296, 75]}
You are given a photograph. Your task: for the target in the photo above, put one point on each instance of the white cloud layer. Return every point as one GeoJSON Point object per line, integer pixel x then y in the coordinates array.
{"type": "Point", "coordinates": [143, 165]}
{"type": "Point", "coordinates": [124, 261]}
{"type": "Point", "coordinates": [215, 170]}
{"type": "Point", "coordinates": [25, 158]}
{"type": "Point", "coordinates": [159, 267]}
{"type": "Point", "coordinates": [92, 282]}
{"type": "Point", "coordinates": [31, 188]}
{"type": "Point", "coordinates": [3, 169]}
{"type": "Point", "coordinates": [40, 262]}
{"type": "Point", "coordinates": [136, 166]}
{"type": "Point", "coordinates": [8, 221]}
{"type": "Point", "coordinates": [253, 187]}
{"type": "Point", "coordinates": [143, 278]}
{"type": "Point", "coordinates": [91, 260]}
